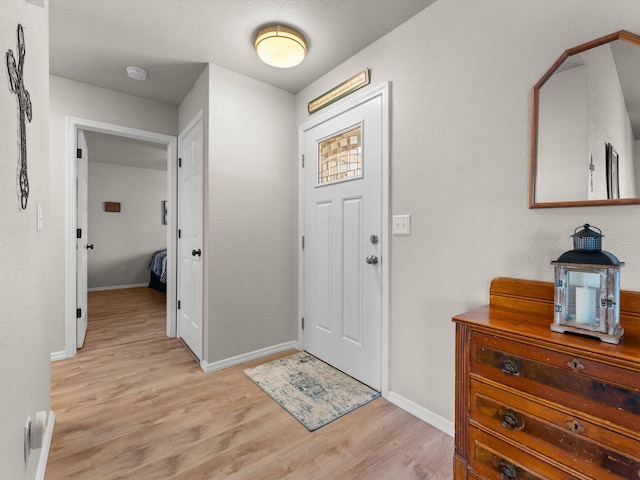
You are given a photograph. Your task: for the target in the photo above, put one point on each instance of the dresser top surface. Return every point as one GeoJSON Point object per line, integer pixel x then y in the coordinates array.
{"type": "Point", "coordinates": [523, 310]}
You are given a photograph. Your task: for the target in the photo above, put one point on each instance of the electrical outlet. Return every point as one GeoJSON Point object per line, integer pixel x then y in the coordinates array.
{"type": "Point", "coordinates": [402, 224]}
{"type": "Point", "coordinates": [125, 270]}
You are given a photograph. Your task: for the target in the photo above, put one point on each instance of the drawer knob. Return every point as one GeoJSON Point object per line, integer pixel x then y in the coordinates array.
{"type": "Point", "coordinates": [507, 472]}
{"type": "Point", "coordinates": [509, 367]}
{"type": "Point", "coordinates": [576, 426]}
{"type": "Point", "coordinates": [575, 365]}
{"type": "Point", "coordinates": [511, 420]}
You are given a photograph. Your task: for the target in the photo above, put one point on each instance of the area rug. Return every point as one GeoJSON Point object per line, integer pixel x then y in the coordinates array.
{"type": "Point", "coordinates": [312, 391]}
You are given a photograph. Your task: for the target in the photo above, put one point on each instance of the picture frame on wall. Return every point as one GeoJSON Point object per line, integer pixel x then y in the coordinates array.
{"type": "Point", "coordinates": [613, 179]}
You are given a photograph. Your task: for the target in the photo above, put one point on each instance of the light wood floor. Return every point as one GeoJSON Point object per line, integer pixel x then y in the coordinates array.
{"type": "Point", "coordinates": [135, 405]}
{"type": "Point", "coordinates": [124, 316]}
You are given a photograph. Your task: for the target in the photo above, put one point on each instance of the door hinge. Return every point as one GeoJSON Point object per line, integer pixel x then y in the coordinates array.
{"type": "Point", "coordinates": [79, 153]}
{"type": "Point", "coordinates": [302, 323]}
{"type": "Point", "coordinates": [178, 304]}
{"type": "Point", "coordinates": [303, 242]}
{"type": "Point", "coordinates": [179, 233]}
{"type": "Point", "coordinates": [179, 162]}
{"type": "Point", "coordinates": [303, 160]}
{"type": "Point", "coordinates": [78, 313]}
{"type": "Point", "coordinates": [79, 233]}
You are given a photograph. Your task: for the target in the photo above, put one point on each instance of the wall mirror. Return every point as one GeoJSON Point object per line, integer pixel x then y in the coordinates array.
{"type": "Point", "coordinates": [585, 126]}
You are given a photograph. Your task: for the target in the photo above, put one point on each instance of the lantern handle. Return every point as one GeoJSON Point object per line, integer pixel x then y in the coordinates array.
{"type": "Point", "coordinates": [586, 226]}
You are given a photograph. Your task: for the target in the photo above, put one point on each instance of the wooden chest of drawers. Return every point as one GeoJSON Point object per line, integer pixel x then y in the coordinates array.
{"type": "Point", "coordinates": [535, 404]}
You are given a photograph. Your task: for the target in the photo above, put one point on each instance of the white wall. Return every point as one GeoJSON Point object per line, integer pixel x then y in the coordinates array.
{"type": "Point", "coordinates": [461, 76]}
{"type": "Point", "coordinates": [252, 222]}
{"type": "Point", "coordinates": [27, 262]}
{"type": "Point", "coordinates": [562, 138]}
{"type": "Point", "coordinates": [124, 239]}
{"type": "Point", "coordinates": [636, 165]}
{"type": "Point", "coordinates": [69, 98]}
{"type": "Point", "coordinates": [195, 101]}
{"type": "Point", "coordinates": [608, 121]}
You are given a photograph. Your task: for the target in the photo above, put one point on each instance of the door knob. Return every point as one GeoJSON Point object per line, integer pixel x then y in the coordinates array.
{"type": "Point", "coordinates": [90, 247]}
{"type": "Point", "coordinates": [196, 252]}
{"type": "Point", "coordinates": [372, 260]}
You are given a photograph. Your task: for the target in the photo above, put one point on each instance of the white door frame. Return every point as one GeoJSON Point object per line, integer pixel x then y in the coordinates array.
{"type": "Point", "coordinates": [383, 92]}
{"type": "Point", "coordinates": [73, 124]}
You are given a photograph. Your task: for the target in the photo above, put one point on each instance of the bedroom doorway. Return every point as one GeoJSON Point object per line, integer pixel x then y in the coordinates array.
{"type": "Point", "coordinates": [169, 144]}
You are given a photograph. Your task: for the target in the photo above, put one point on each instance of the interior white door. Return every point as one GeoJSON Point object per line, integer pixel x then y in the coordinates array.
{"type": "Point", "coordinates": [343, 240]}
{"type": "Point", "coordinates": [81, 239]}
{"type": "Point", "coordinates": [190, 241]}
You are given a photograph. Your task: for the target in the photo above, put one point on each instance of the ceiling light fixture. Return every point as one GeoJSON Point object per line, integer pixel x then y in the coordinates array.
{"type": "Point", "coordinates": [136, 73]}
{"type": "Point", "coordinates": [280, 47]}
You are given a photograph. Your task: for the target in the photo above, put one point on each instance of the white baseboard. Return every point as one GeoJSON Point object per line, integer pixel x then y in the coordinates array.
{"type": "Point", "coordinates": [61, 355]}
{"type": "Point", "coordinates": [246, 357]}
{"type": "Point", "coordinates": [422, 413]}
{"type": "Point", "coordinates": [46, 443]}
{"type": "Point", "coordinates": [117, 287]}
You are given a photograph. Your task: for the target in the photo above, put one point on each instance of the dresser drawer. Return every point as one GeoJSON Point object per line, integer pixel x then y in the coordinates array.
{"type": "Point", "coordinates": [494, 459]}
{"type": "Point", "coordinates": [603, 391]}
{"type": "Point", "coordinates": [586, 447]}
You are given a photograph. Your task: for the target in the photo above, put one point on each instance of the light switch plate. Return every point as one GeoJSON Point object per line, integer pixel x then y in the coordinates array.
{"type": "Point", "coordinates": [401, 225]}
{"type": "Point", "coordinates": [39, 220]}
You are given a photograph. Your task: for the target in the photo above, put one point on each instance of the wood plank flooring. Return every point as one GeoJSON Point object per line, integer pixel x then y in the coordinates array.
{"type": "Point", "coordinates": [123, 316]}
{"type": "Point", "coordinates": [135, 405]}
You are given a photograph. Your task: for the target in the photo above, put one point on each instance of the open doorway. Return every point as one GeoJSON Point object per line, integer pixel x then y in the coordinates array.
{"type": "Point", "coordinates": [125, 240]}
{"type": "Point", "coordinates": [100, 133]}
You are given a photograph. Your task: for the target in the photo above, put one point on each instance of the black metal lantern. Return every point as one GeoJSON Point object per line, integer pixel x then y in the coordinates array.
{"type": "Point", "coordinates": [587, 288]}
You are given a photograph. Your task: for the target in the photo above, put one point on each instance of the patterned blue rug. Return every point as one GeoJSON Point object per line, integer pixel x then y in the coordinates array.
{"type": "Point", "coordinates": [312, 391]}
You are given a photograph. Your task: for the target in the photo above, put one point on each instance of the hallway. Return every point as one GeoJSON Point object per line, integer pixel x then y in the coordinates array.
{"type": "Point", "coordinates": [135, 405]}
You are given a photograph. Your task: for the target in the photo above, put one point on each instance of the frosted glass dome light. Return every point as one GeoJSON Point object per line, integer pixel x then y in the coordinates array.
{"type": "Point", "coordinates": [280, 47]}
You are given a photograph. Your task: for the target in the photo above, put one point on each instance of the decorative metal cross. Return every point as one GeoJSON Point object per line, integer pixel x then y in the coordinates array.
{"type": "Point", "coordinates": [592, 167]}
{"type": "Point", "coordinates": [16, 85]}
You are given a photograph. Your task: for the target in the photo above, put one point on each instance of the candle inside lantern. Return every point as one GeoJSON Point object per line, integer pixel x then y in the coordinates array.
{"type": "Point", "coordinates": [586, 305]}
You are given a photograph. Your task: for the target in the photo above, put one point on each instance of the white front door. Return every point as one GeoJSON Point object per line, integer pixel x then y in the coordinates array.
{"type": "Point", "coordinates": [190, 241]}
{"type": "Point", "coordinates": [343, 234]}
{"type": "Point", "coordinates": [81, 240]}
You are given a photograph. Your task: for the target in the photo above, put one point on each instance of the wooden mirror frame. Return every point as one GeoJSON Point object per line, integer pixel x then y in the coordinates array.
{"type": "Point", "coordinates": [535, 99]}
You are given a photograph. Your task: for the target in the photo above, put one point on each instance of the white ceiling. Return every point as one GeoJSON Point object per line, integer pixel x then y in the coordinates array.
{"type": "Point", "coordinates": [93, 41]}
{"type": "Point", "coordinates": [626, 57]}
